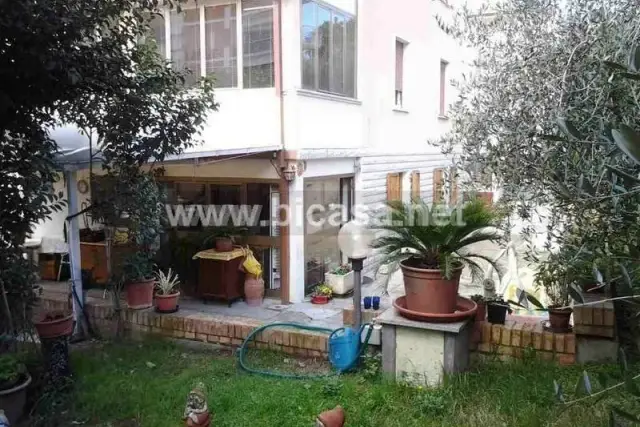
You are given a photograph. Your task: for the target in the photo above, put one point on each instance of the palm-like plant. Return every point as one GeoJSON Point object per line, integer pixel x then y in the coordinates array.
{"type": "Point", "coordinates": [167, 284]}
{"type": "Point", "coordinates": [434, 239]}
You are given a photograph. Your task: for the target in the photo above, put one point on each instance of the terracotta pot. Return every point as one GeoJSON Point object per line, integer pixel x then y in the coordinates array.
{"type": "Point", "coordinates": [224, 244]}
{"type": "Point", "coordinates": [202, 420]}
{"type": "Point", "coordinates": [13, 400]}
{"type": "Point", "coordinates": [167, 303]}
{"type": "Point", "coordinates": [481, 313]}
{"type": "Point", "coordinates": [332, 418]}
{"type": "Point", "coordinates": [559, 319]}
{"type": "Point", "coordinates": [320, 299]}
{"type": "Point", "coordinates": [253, 291]}
{"type": "Point", "coordinates": [140, 294]}
{"type": "Point", "coordinates": [428, 292]}
{"type": "Point", "coordinates": [54, 324]}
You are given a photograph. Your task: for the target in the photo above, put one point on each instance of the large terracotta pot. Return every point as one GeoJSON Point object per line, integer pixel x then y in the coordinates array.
{"type": "Point", "coordinates": [167, 303]}
{"type": "Point", "coordinates": [13, 400]}
{"type": "Point", "coordinates": [253, 291]}
{"type": "Point", "coordinates": [559, 319]}
{"type": "Point", "coordinates": [54, 324]}
{"type": "Point", "coordinates": [140, 294]}
{"type": "Point", "coordinates": [428, 291]}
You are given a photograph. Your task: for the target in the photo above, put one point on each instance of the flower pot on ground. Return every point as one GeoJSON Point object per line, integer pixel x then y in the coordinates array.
{"type": "Point", "coordinates": [340, 279]}
{"type": "Point", "coordinates": [167, 291]}
{"type": "Point", "coordinates": [53, 324]}
{"type": "Point", "coordinates": [253, 290]}
{"type": "Point", "coordinates": [431, 248]}
{"type": "Point", "coordinates": [14, 381]}
{"type": "Point", "coordinates": [481, 312]}
{"type": "Point", "coordinates": [497, 310]}
{"type": "Point", "coordinates": [321, 294]}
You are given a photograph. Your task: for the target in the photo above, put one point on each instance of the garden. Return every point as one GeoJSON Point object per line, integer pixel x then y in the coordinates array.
{"type": "Point", "coordinates": [551, 115]}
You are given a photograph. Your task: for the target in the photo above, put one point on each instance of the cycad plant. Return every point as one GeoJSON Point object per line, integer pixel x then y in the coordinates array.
{"type": "Point", "coordinates": [433, 238]}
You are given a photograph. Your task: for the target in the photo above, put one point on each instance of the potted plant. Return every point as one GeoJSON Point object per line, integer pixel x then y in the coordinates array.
{"type": "Point", "coordinates": [53, 324]}
{"type": "Point", "coordinates": [167, 291]}
{"type": "Point", "coordinates": [224, 237]}
{"type": "Point", "coordinates": [432, 248]}
{"type": "Point", "coordinates": [481, 313]}
{"type": "Point", "coordinates": [139, 280]}
{"type": "Point", "coordinates": [14, 381]}
{"type": "Point", "coordinates": [321, 294]}
{"type": "Point", "coordinates": [340, 279]}
{"type": "Point", "coordinates": [497, 309]}
{"type": "Point", "coordinates": [553, 277]}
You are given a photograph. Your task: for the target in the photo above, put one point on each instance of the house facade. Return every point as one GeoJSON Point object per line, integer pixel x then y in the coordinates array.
{"type": "Point", "coordinates": [322, 103]}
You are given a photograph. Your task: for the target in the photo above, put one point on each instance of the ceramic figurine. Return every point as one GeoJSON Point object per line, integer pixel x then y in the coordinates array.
{"type": "Point", "coordinates": [196, 412]}
{"type": "Point", "coordinates": [332, 418]}
{"type": "Point", "coordinates": [4, 422]}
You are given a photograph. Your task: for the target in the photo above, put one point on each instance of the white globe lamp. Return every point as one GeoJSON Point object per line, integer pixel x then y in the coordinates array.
{"type": "Point", "coordinates": [354, 240]}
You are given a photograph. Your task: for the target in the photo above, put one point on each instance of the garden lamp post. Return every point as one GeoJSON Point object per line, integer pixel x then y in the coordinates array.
{"type": "Point", "coordinates": [354, 241]}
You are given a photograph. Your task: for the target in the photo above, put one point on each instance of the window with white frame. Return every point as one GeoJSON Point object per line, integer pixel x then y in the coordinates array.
{"type": "Point", "coordinates": [329, 47]}
{"type": "Point", "coordinates": [232, 41]}
{"type": "Point", "coordinates": [443, 89]}
{"type": "Point", "coordinates": [399, 92]}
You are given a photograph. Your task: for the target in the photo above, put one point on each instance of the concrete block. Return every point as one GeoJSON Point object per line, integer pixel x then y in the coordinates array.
{"type": "Point", "coordinates": [590, 349]}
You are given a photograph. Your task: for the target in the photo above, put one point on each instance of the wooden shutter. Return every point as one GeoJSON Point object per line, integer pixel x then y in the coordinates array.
{"type": "Point", "coordinates": [415, 185]}
{"type": "Point", "coordinates": [394, 186]}
{"type": "Point", "coordinates": [453, 193]}
{"type": "Point", "coordinates": [438, 185]}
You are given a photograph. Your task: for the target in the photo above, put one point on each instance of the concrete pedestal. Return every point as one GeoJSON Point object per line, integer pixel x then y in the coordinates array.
{"type": "Point", "coordinates": [421, 353]}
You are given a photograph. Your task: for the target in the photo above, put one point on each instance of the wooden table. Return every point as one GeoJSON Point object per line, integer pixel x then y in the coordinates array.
{"type": "Point", "coordinates": [220, 277]}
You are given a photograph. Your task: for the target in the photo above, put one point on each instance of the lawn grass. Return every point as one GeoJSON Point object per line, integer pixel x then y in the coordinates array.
{"type": "Point", "coordinates": [148, 382]}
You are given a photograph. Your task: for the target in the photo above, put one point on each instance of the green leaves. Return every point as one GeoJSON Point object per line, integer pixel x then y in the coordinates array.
{"type": "Point", "coordinates": [568, 128]}
{"type": "Point", "coordinates": [628, 140]}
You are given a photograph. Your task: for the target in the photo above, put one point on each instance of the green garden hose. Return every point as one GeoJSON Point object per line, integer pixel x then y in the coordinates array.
{"type": "Point", "coordinates": [242, 351]}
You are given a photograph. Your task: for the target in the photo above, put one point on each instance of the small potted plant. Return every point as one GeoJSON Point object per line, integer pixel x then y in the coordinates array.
{"type": "Point", "coordinates": [14, 381]}
{"type": "Point", "coordinates": [167, 291]}
{"type": "Point", "coordinates": [553, 277]}
{"type": "Point", "coordinates": [321, 294]}
{"type": "Point", "coordinates": [481, 313]}
{"type": "Point", "coordinates": [340, 279]}
{"type": "Point", "coordinates": [497, 309]}
{"type": "Point", "coordinates": [432, 249]}
{"type": "Point", "coordinates": [139, 280]}
{"type": "Point", "coordinates": [53, 324]}
{"type": "Point", "coordinates": [224, 237]}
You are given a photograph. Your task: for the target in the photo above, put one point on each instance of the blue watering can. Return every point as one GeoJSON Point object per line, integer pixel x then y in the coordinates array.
{"type": "Point", "coordinates": [345, 347]}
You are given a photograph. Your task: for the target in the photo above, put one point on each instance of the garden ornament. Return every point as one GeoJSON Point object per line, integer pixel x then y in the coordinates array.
{"type": "Point", "coordinates": [332, 418]}
{"type": "Point", "coordinates": [196, 412]}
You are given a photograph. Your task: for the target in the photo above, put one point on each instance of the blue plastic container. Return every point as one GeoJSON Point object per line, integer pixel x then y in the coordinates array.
{"type": "Point", "coordinates": [344, 347]}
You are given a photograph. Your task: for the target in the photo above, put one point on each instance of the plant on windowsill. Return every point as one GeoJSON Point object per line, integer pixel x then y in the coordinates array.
{"type": "Point", "coordinates": [431, 246]}
{"type": "Point", "coordinates": [340, 279]}
{"type": "Point", "coordinates": [322, 294]}
{"type": "Point", "coordinates": [14, 380]}
{"type": "Point", "coordinates": [167, 291]}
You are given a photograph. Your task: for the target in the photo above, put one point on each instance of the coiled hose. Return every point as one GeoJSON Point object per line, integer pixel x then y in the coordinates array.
{"type": "Point", "coordinates": [242, 351]}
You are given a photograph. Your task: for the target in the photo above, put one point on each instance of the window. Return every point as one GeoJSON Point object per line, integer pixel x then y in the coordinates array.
{"type": "Point", "coordinates": [399, 71]}
{"type": "Point", "coordinates": [394, 186]}
{"type": "Point", "coordinates": [206, 40]}
{"type": "Point", "coordinates": [328, 48]}
{"type": "Point", "coordinates": [221, 44]}
{"type": "Point", "coordinates": [438, 186]}
{"type": "Point", "coordinates": [158, 33]}
{"type": "Point", "coordinates": [443, 88]}
{"type": "Point", "coordinates": [257, 42]}
{"type": "Point", "coordinates": [185, 43]}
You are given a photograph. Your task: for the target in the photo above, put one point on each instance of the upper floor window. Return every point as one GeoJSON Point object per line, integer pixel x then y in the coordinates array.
{"type": "Point", "coordinates": [233, 42]}
{"type": "Point", "coordinates": [443, 88]}
{"type": "Point", "coordinates": [329, 47]}
{"type": "Point", "coordinates": [400, 46]}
